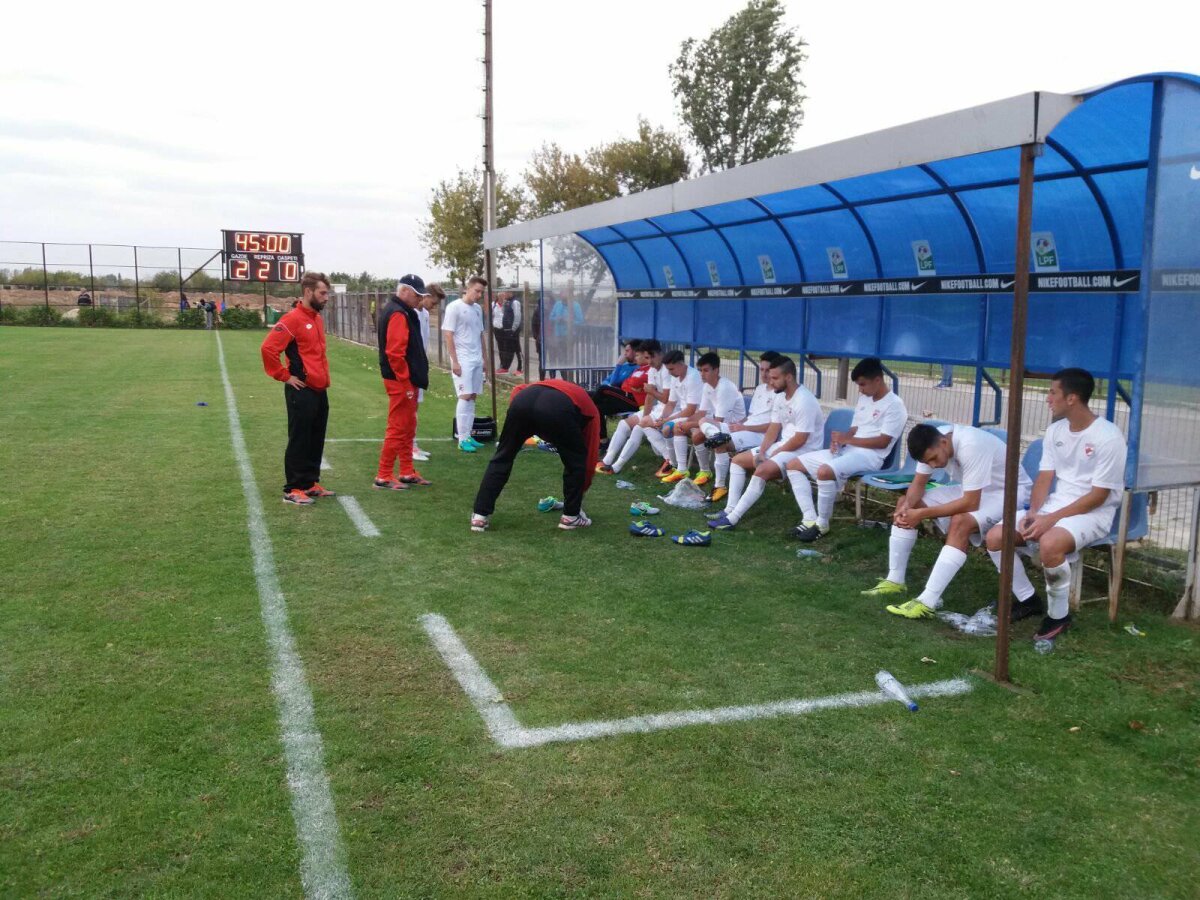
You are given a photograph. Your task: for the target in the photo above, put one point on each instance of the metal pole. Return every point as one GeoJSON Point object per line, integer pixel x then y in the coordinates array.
{"type": "Point", "coordinates": [137, 286]}
{"type": "Point", "coordinates": [92, 277]}
{"type": "Point", "coordinates": [222, 276]}
{"type": "Point", "coordinates": [264, 301]}
{"type": "Point", "coordinates": [1029, 152]}
{"type": "Point", "coordinates": [179, 257]}
{"type": "Point", "coordinates": [489, 192]}
{"type": "Point", "coordinates": [45, 277]}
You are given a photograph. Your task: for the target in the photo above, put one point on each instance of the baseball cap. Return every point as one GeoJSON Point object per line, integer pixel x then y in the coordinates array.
{"type": "Point", "coordinates": [415, 282]}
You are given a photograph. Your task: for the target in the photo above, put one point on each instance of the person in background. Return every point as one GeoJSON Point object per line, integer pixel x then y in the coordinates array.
{"type": "Point", "coordinates": [405, 370]}
{"type": "Point", "coordinates": [300, 336]}
{"type": "Point", "coordinates": [436, 298]}
{"type": "Point", "coordinates": [183, 301]}
{"type": "Point", "coordinates": [507, 322]}
{"type": "Point", "coordinates": [462, 328]}
{"type": "Point", "coordinates": [947, 377]}
{"type": "Point", "coordinates": [535, 324]}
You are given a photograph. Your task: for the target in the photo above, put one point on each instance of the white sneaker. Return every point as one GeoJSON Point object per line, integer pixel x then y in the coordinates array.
{"type": "Point", "coordinates": [570, 523]}
{"type": "Point", "coordinates": [479, 523]}
{"type": "Point", "coordinates": [420, 455]}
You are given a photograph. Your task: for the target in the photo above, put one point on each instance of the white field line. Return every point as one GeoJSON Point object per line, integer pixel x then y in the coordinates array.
{"type": "Point", "coordinates": [364, 525]}
{"type": "Point", "coordinates": [322, 866]}
{"type": "Point", "coordinates": [497, 715]}
{"type": "Point", "coordinates": [508, 732]}
{"type": "Point", "coordinates": [325, 463]}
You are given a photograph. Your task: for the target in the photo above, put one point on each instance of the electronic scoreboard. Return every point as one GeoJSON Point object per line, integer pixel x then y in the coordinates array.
{"type": "Point", "coordinates": [263, 256]}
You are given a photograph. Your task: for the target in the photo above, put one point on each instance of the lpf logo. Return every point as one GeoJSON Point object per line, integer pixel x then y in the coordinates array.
{"type": "Point", "coordinates": [923, 254]}
{"type": "Point", "coordinates": [1089, 450]}
{"type": "Point", "coordinates": [1045, 253]}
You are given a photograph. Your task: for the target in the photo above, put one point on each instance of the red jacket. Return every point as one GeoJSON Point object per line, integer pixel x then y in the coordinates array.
{"type": "Point", "coordinates": [635, 384]}
{"type": "Point", "coordinates": [583, 403]}
{"type": "Point", "coordinates": [300, 335]}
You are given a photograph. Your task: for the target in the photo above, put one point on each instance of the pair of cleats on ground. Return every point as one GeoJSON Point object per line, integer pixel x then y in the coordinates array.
{"type": "Point", "coordinates": [469, 445]}
{"type": "Point", "coordinates": [399, 484]}
{"type": "Point", "coordinates": [642, 528]}
{"type": "Point", "coordinates": [566, 523]}
{"type": "Point", "coordinates": [308, 497]}
{"type": "Point", "coordinates": [1020, 610]}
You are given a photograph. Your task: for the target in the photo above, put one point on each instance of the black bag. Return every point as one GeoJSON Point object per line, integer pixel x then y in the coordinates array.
{"type": "Point", "coordinates": [484, 429]}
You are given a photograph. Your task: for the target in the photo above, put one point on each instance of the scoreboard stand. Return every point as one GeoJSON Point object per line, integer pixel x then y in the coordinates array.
{"type": "Point", "coordinates": [262, 257]}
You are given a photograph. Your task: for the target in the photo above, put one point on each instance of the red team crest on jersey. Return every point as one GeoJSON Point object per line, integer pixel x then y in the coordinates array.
{"type": "Point", "coordinates": [1088, 450]}
{"type": "Point", "coordinates": [874, 414]}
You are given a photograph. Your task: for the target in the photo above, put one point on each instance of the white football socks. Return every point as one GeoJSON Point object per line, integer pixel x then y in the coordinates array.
{"type": "Point", "coordinates": [749, 497]}
{"type": "Point", "coordinates": [617, 441]}
{"type": "Point", "coordinates": [802, 491]}
{"type": "Point", "coordinates": [949, 561]}
{"type": "Point", "coordinates": [1022, 587]}
{"type": "Point", "coordinates": [827, 492]}
{"type": "Point", "coordinates": [723, 469]}
{"type": "Point", "coordinates": [737, 484]}
{"type": "Point", "coordinates": [704, 457]}
{"type": "Point", "coordinates": [1058, 590]}
{"type": "Point", "coordinates": [630, 448]}
{"type": "Point", "coordinates": [464, 416]}
{"type": "Point", "coordinates": [900, 547]}
{"type": "Point", "coordinates": [681, 442]}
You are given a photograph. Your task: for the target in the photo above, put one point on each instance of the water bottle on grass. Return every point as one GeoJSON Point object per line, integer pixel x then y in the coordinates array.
{"type": "Point", "coordinates": [892, 688]}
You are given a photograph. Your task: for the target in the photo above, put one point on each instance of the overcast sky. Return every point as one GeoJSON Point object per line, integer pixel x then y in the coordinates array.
{"type": "Point", "coordinates": [158, 123]}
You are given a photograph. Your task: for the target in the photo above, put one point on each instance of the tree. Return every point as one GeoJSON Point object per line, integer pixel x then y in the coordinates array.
{"type": "Point", "coordinates": [558, 181]}
{"type": "Point", "coordinates": [738, 90]}
{"type": "Point", "coordinates": [654, 158]}
{"type": "Point", "coordinates": [453, 233]}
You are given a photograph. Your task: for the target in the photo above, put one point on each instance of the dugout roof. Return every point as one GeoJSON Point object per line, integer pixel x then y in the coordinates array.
{"type": "Point", "coordinates": [901, 243]}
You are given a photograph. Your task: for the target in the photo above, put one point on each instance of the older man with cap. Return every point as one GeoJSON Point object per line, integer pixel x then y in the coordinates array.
{"type": "Point", "coordinates": [405, 370]}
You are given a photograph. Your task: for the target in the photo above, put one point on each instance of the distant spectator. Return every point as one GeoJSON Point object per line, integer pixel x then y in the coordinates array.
{"type": "Point", "coordinates": [535, 324]}
{"type": "Point", "coordinates": [183, 301]}
{"type": "Point", "coordinates": [947, 377]}
{"type": "Point", "coordinates": [210, 311]}
{"type": "Point", "coordinates": [84, 298]}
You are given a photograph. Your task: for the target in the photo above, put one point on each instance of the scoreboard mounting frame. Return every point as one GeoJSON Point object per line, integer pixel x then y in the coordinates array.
{"type": "Point", "coordinates": [263, 256]}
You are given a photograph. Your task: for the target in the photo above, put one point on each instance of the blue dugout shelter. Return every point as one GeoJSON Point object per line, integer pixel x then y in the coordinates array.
{"type": "Point", "coordinates": [909, 244]}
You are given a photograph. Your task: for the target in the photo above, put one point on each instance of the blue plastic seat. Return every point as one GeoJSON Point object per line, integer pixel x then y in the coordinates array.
{"type": "Point", "coordinates": [1138, 528]}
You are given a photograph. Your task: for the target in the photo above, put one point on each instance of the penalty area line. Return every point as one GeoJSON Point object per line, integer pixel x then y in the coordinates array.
{"type": "Point", "coordinates": [322, 864]}
{"type": "Point", "coordinates": [507, 731]}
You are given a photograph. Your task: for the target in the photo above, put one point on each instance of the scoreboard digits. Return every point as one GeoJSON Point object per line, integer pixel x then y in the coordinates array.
{"type": "Point", "coordinates": [263, 256]}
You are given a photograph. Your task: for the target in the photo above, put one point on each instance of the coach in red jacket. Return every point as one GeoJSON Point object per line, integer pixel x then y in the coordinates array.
{"type": "Point", "coordinates": [405, 369]}
{"type": "Point", "coordinates": [300, 336]}
{"type": "Point", "coordinates": [561, 413]}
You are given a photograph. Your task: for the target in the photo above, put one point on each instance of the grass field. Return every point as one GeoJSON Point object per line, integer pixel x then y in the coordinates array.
{"type": "Point", "coordinates": [141, 751]}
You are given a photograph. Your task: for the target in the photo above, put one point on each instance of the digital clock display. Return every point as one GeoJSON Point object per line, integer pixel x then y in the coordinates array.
{"type": "Point", "coordinates": [263, 256]}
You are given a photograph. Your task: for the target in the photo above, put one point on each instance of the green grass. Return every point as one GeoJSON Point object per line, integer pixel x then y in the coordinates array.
{"type": "Point", "coordinates": [141, 753]}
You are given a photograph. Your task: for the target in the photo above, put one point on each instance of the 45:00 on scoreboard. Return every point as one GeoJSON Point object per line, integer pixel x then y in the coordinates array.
{"type": "Point", "coordinates": [263, 256]}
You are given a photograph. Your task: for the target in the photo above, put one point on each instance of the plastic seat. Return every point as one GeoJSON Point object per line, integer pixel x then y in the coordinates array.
{"type": "Point", "coordinates": [872, 479]}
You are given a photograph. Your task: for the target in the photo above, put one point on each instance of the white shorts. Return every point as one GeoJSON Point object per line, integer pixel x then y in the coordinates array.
{"type": "Point", "coordinates": [780, 459]}
{"type": "Point", "coordinates": [850, 462]}
{"type": "Point", "coordinates": [471, 379]}
{"type": "Point", "coordinates": [1086, 528]}
{"type": "Point", "coordinates": [746, 440]}
{"type": "Point", "coordinates": [990, 512]}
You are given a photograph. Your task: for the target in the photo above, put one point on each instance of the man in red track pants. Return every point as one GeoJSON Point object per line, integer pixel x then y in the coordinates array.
{"type": "Point", "coordinates": [405, 370]}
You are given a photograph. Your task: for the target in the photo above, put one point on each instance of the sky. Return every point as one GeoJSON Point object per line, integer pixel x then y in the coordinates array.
{"type": "Point", "coordinates": [161, 124]}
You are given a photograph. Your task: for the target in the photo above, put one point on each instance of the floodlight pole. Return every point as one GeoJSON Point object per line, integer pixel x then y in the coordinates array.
{"type": "Point", "coordinates": [1012, 458]}
{"type": "Point", "coordinates": [489, 197]}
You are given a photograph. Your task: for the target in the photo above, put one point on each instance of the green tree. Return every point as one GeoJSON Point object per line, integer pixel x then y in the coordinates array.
{"type": "Point", "coordinates": [453, 233]}
{"type": "Point", "coordinates": [739, 90]}
{"type": "Point", "coordinates": [654, 158]}
{"type": "Point", "coordinates": [558, 181]}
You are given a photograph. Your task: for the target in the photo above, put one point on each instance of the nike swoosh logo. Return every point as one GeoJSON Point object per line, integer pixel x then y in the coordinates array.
{"type": "Point", "coordinates": [918, 285]}
{"type": "Point", "coordinates": [1195, 173]}
{"type": "Point", "coordinates": [1121, 282]}
{"type": "Point", "coordinates": [846, 288]}
{"type": "Point", "coordinates": [1005, 285]}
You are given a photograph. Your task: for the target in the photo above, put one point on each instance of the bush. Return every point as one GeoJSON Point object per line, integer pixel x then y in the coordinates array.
{"type": "Point", "coordinates": [189, 318]}
{"type": "Point", "coordinates": [9, 315]}
{"type": "Point", "coordinates": [233, 317]}
{"type": "Point", "coordinates": [41, 316]}
{"type": "Point", "coordinates": [97, 317]}
{"type": "Point", "coordinates": [138, 318]}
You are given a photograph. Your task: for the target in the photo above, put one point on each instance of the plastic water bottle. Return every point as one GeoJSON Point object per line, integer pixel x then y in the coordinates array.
{"type": "Point", "coordinates": [806, 553]}
{"type": "Point", "coordinates": [892, 688]}
{"type": "Point", "coordinates": [625, 485]}
{"type": "Point", "coordinates": [1043, 647]}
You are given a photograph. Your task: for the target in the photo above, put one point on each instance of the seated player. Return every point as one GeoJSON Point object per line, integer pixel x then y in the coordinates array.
{"type": "Point", "coordinates": [627, 396]}
{"type": "Point", "coordinates": [797, 426]}
{"type": "Point", "coordinates": [964, 510]}
{"type": "Point", "coordinates": [630, 431]}
{"type": "Point", "coordinates": [747, 434]}
{"type": "Point", "coordinates": [687, 390]}
{"type": "Point", "coordinates": [879, 420]}
{"type": "Point", "coordinates": [1083, 457]}
{"type": "Point", "coordinates": [625, 365]}
{"type": "Point", "coordinates": [721, 408]}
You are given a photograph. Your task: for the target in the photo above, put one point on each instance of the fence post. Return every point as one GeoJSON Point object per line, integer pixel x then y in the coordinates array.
{"type": "Point", "coordinates": [92, 277]}
{"type": "Point", "coordinates": [45, 277]}
{"type": "Point", "coordinates": [843, 379]}
{"type": "Point", "coordinates": [137, 283]}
